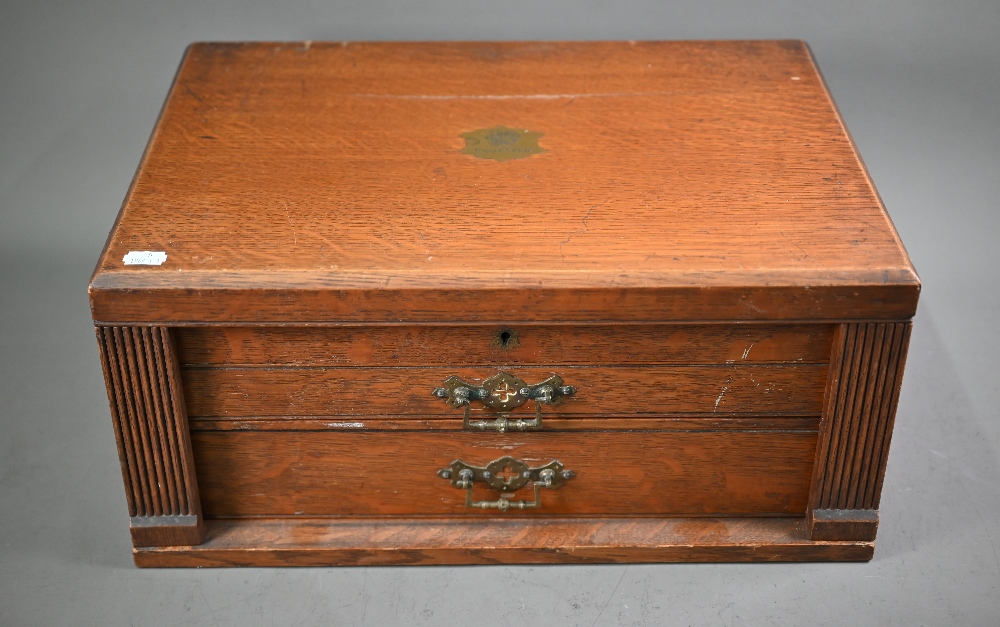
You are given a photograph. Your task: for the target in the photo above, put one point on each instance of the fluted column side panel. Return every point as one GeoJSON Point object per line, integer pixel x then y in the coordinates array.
{"type": "Point", "coordinates": [150, 421]}
{"type": "Point", "coordinates": [861, 397]}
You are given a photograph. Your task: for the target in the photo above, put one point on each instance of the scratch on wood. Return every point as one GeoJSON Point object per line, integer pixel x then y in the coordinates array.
{"type": "Point", "coordinates": [805, 255]}
{"type": "Point", "coordinates": [725, 388]}
{"type": "Point", "coordinates": [585, 229]}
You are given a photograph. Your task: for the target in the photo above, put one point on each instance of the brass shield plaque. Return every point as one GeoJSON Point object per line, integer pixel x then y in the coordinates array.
{"type": "Point", "coordinates": [502, 143]}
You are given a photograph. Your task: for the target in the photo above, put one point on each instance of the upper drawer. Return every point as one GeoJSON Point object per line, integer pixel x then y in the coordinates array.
{"type": "Point", "coordinates": [415, 345]}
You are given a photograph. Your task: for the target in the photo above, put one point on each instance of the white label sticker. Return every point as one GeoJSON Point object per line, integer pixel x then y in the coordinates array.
{"type": "Point", "coordinates": [144, 258]}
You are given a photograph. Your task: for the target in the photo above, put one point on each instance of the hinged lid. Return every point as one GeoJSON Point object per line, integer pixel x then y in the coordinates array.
{"type": "Point", "coordinates": [384, 182]}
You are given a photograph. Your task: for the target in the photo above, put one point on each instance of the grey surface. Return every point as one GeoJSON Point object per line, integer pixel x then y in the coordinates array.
{"type": "Point", "coordinates": [918, 84]}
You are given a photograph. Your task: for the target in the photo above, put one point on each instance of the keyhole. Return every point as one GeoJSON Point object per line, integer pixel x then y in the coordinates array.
{"type": "Point", "coordinates": [505, 339]}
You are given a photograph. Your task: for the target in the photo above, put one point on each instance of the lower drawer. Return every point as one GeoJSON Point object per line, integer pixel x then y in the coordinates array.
{"type": "Point", "coordinates": [676, 473]}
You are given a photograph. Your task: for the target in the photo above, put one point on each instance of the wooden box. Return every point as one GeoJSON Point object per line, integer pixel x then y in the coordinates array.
{"type": "Point", "coordinates": [451, 303]}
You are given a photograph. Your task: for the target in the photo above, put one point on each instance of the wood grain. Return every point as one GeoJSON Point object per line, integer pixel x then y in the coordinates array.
{"type": "Point", "coordinates": [856, 427]}
{"type": "Point", "coordinates": [376, 542]}
{"type": "Point", "coordinates": [840, 525]}
{"type": "Point", "coordinates": [441, 345]}
{"type": "Point", "coordinates": [326, 182]}
{"type": "Point", "coordinates": [394, 473]}
{"type": "Point", "coordinates": [197, 298]}
{"type": "Point", "coordinates": [600, 390]}
{"type": "Point", "coordinates": [698, 249]}
{"type": "Point", "coordinates": [154, 448]}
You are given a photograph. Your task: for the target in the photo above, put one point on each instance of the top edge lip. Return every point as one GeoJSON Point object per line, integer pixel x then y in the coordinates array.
{"type": "Point", "coordinates": [281, 300]}
{"type": "Point", "coordinates": [164, 278]}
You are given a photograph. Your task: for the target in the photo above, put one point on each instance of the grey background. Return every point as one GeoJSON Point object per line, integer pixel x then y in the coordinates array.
{"type": "Point", "coordinates": [80, 87]}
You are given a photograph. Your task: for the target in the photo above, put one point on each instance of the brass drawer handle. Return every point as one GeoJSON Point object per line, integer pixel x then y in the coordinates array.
{"type": "Point", "coordinates": [503, 392]}
{"type": "Point", "coordinates": [506, 474]}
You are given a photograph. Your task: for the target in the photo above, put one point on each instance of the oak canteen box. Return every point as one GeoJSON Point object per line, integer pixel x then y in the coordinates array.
{"type": "Point", "coordinates": [452, 303]}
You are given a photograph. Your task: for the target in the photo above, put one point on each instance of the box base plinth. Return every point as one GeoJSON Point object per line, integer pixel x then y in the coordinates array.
{"type": "Point", "coordinates": [377, 542]}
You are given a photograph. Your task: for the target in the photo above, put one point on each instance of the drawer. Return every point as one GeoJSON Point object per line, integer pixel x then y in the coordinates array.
{"type": "Point", "coordinates": [389, 371]}
{"type": "Point", "coordinates": [677, 473]}
{"type": "Point", "coordinates": [502, 345]}
{"type": "Point", "coordinates": [601, 391]}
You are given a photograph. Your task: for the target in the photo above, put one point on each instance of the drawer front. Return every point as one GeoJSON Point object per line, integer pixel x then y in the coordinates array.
{"type": "Point", "coordinates": [601, 391]}
{"type": "Point", "coordinates": [410, 345]}
{"type": "Point", "coordinates": [247, 474]}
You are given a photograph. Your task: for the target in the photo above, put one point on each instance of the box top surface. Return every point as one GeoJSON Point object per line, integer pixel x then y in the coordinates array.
{"type": "Point", "coordinates": [532, 181]}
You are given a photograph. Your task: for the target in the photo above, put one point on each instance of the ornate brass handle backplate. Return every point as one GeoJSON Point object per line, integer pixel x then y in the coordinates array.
{"type": "Point", "coordinates": [506, 474]}
{"type": "Point", "coordinates": [503, 392]}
